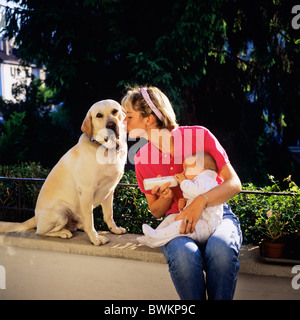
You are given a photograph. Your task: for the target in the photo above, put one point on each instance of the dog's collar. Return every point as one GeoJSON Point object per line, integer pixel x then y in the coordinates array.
{"type": "Point", "coordinates": [97, 143]}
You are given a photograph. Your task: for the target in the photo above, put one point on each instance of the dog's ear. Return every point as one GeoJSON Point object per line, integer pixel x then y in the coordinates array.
{"type": "Point", "coordinates": [122, 114]}
{"type": "Point", "coordinates": [87, 125]}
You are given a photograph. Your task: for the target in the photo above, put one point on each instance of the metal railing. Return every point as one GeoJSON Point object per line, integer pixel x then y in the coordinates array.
{"type": "Point", "coordinates": [21, 207]}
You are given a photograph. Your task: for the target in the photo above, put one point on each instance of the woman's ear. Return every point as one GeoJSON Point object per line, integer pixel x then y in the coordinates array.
{"type": "Point", "coordinates": [150, 120]}
{"type": "Point", "coordinates": [87, 125]}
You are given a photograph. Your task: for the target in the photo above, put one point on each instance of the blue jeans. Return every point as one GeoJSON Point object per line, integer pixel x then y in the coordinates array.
{"type": "Point", "coordinates": [218, 258]}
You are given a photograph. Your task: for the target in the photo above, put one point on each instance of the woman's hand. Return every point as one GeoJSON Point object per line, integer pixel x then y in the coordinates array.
{"type": "Point", "coordinates": [160, 199]}
{"type": "Point", "coordinates": [191, 214]}
{"type": "Point", "coordinates": [164, 191]}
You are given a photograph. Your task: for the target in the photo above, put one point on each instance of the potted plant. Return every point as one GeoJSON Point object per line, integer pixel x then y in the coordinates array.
{"type": "Point", "coordinates": [274, 227]}
{"type": "Point", "coordinates": [276, 219]}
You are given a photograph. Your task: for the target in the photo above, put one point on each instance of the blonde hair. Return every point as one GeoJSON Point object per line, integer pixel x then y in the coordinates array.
{"type": "Point", "coordinates": [134, 98]}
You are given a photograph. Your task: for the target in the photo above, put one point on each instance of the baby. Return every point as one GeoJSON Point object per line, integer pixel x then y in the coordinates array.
{"type": "Point", "coordinates": [198, 177]}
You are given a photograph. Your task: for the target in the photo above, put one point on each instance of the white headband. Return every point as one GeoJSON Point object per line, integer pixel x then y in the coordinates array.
{"type": "Point", "coordinates": [151, 104]}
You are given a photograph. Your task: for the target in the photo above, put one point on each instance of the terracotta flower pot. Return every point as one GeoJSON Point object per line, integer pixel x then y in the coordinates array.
{"type": "Point", "coordinates": [272, 250]}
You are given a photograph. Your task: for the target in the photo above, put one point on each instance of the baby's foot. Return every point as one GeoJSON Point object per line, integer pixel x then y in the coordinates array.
{"type": "Point", "coordinates": [148, 231]}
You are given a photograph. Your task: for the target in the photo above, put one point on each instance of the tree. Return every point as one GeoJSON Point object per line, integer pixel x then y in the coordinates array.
{"type": "Point", "coordinates": [11, 142]}
{"type": "Point", "coordinates": [231, 65]}
{"type": "Point", "coordinates": [31, 131]}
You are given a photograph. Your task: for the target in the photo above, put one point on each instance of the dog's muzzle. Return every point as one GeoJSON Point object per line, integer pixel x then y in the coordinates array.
{"type": "Point", "coordinates": [109, 136]}
{"type": "Point", "coordinates": [113, 126]}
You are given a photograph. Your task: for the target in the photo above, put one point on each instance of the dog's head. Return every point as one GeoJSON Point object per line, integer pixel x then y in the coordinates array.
{"type": "Point", "coordinates": [104, 123]}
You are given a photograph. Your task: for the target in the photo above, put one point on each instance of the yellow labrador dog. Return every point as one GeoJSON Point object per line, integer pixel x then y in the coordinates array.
{"type": "Point", "coordinates": [84, 178]}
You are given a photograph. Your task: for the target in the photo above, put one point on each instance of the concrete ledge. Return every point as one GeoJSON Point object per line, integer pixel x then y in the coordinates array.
{"type": "Point", "coordinates": [120, 246]}
{"type": "Point", "coordinates": [252, 263]}
{"type": "Point", "coordinates": [126, 247]}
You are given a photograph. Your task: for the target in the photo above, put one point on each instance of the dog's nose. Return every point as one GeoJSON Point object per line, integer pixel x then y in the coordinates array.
{"type": "Point", "coordinates": [111, 125]}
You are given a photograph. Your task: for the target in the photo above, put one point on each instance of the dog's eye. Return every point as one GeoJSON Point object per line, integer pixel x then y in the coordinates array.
{"type": "Point", "coordinates": [114, 112]}
{"type": "Point", "coordinates": [99, 115]}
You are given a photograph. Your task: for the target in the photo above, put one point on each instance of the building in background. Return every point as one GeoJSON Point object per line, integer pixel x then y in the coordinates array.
{"type": "Point", "coordinates": [14, 72]}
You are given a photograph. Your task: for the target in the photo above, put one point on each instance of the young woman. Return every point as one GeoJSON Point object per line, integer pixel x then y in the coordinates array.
{"type": "Point", "coordinates": [150, 115]}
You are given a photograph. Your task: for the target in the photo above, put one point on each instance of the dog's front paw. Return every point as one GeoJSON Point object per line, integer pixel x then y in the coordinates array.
{"type": "Point", "coordinates": [114, 228]}
{"type": "Point", "coordinates": [119, 230]}
{"type": "Point", "coordinates": [99, 240]}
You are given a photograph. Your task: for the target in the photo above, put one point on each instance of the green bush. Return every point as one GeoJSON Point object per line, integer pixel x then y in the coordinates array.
{"type": "Point", "coordinates": [12, 138]}
{"type": "Point", "coordinates": [250, 207]}
{"type": "Point", "coordinates": [28, 190]}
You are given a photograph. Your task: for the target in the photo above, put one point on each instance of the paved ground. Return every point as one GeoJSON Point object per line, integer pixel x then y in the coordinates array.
{"type": "Point", "coordinates": [253, 287]}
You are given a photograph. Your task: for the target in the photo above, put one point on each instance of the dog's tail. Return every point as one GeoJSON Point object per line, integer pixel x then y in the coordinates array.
{"type": "Point", "coordinates": [17, 226]}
